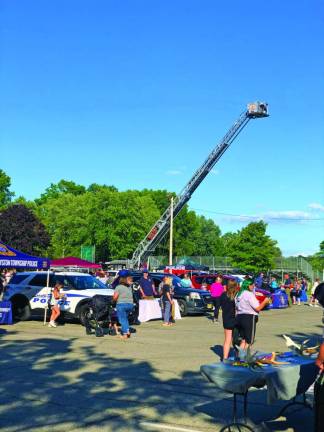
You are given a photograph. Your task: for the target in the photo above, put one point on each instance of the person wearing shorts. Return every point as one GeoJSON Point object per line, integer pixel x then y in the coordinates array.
{"type": "Point", "coordinates": [247, 311]}
{"type": "Point", "coordinates": [54, 302]}
{"type": "Point", "coordinates": [227, 303]}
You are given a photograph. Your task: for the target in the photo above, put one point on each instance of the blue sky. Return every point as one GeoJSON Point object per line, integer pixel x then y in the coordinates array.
{"type": "Point", "coordinates": [136, 93]}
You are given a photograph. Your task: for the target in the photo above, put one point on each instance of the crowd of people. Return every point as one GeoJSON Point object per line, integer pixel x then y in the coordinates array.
{"type": "Point", "coordinates": [123, 297]}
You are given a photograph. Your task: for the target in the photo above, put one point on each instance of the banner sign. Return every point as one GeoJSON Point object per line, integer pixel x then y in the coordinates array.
{"type": "Point", "coordinates": [5, 312]}
{"type": "Point", "coordinates": [10, 257]}
{"type": "Point", "coordinates": [88, 253]}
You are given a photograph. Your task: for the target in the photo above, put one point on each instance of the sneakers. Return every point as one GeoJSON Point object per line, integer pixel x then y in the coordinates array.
{"type": "Point", "coordinates": [52, 324]}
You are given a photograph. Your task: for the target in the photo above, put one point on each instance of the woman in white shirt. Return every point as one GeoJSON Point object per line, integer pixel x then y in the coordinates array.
{"type": "Point", "coordinates": [247, 311]}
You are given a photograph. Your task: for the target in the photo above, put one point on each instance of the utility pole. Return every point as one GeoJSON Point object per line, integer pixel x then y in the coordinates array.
{"type": "Point", "coordinates": [171, 233]}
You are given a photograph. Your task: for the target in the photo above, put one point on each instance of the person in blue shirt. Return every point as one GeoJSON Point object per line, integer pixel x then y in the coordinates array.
{"type": "Point", "coordinates": [259, 281]}
{"type": "Point", "coordinates": [273, 284]}
{"type": "Point", "coordinates": [147, 288]}
{"type": "Point", "coordinates": [186, 281]}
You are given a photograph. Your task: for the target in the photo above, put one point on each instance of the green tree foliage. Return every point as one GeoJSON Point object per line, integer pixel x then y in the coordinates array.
{"type": "Point", "coordinates": [113, 221]}
{"type": "Point", "coordinates": [193, 234]}
{"type": "Point", "coordinates": [5, 194]}
{"type": "Point", "coordinates": [252, 250]}
{"type": "Point", "coordinates": [317, 260]}
{"type": "Point", "coordinates": [95, 187]}
{"type": "Point", "coordinates": [62, 187]}
{"type": "Point", "coordinates": [229, 240]}
{"type": "Point", "coordinates": [21, 229]}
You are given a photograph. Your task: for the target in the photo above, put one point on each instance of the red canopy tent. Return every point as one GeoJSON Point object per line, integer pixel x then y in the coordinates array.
{"type": "Point", "coordinates": [74, 262]}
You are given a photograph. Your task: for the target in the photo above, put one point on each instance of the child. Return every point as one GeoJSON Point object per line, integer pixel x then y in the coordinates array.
{"type": "Point", "coordinates": [55, 308]}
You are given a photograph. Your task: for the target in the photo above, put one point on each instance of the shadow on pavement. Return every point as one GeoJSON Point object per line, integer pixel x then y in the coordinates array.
{"type": "Point", "coordinates": [44, 387]}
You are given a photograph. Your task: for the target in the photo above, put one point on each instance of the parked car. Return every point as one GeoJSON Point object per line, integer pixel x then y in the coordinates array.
{"type": "Point", "coordinates": [189, 299]}
{"type": "Point", "coordinates": [204, 281]}
{"type": "Point", "coordinates": [29, 295]}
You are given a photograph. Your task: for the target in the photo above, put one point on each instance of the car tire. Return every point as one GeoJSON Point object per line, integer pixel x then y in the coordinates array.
{"type": "Point", "coordinates": [83, 311]}
{"type": "Point", "coordinates": [20, 309]}
{"type": "Point", "coordinates": [183, 307]}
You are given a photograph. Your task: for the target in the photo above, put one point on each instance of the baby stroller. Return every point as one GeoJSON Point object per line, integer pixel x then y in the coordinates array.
{"type": "Point", "coordinates": [99, 314]}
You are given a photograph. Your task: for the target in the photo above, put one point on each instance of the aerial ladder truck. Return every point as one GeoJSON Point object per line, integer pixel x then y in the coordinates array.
{"type": "Point", "coordinates": [148, 245]}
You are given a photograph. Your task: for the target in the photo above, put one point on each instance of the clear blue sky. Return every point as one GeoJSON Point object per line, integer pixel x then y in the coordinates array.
{"type": "Point", "coordinates": [135, 93]}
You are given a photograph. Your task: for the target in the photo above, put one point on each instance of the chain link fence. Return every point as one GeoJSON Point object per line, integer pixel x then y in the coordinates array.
{"type": "Point", "coordinates": [297, 265]}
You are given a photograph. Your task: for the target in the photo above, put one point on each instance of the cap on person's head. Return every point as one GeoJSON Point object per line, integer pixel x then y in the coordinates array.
{"type": "Point", "coordinates": [124, 273]}
{"type": "Point", "coordinates": [145, 271]}
{"type": "Point", "coordinates": [319, 293]}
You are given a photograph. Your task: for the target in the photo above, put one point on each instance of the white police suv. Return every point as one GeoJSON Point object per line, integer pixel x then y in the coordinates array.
{"type": "Point", "coordinates": [28, 293]}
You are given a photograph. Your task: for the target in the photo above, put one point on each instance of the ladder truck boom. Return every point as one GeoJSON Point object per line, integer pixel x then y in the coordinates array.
{"type": "Point", "coordinates": [147, 246]}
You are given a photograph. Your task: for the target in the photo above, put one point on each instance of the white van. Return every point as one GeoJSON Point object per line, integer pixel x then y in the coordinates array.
{"type": "Point", "coordinates": [28, 293]}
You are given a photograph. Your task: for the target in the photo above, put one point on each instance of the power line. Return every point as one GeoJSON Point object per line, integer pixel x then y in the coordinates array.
{"type": "Point", "coordinates": [260, 217]}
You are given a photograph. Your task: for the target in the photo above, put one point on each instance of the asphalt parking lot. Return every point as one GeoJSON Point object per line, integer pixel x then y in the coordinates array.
{"type": "Point", "coordinates": [62, 380]}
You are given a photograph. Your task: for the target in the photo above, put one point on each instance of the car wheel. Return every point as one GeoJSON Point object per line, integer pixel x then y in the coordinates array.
{"type": "Point", "coordinates": [83, 313]}
{"type": "Point", "coordinates": [21, 309]}
{"type": "Point", "coordinates": [183, 307]}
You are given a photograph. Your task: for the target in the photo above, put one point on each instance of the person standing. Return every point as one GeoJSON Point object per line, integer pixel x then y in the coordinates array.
{"type": "Point", "coordinates": [216, 290]}
{"type": "Point", "coordinates": [54, 303]}
{"type": "Point", "coordinates": [287, 287]}
{"type": "Point", "coordinates": [123, 296]}
{"type": "Point", "coordinates": [319, 384]}
{"type": "Point", "coordinates": [167, 301]}
{"type": "Point", "coordinates": [227, 303]}
{"type": "Point", "coordinates": [273, 284]}
{"type": "Point", "coordinates": [247, 311]}
{"type": "Point", "coordinates": [259, 281]}
{"type": "Point", "coordinates": [304, 287]}
{"type": "Point", "coordinates": [313, 301]}
{"type": "Point", "coordinates": [147, 288]}
{"type": "Point", "coordinates": [186, 281]}
{"type": "Point", "coordinates": [296, 292]}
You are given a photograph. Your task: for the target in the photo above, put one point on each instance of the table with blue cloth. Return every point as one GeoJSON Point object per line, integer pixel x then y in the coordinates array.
{"type": "Point", "coordinates": [283, 382]}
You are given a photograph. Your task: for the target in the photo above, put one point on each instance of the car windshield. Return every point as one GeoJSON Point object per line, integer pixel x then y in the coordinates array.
{"type": "Point", "coordinates": [80, 282]}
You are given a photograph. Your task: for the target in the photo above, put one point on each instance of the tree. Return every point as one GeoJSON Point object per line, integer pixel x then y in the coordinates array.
{"type": "Point", "coordinates": [229, 240]}
{"type": "Point", "coordinates": [62, 187]}
{"type": "Point", "coordinates": [21, 229]}
{"type": "Point", "coordinates": [5, 194]}
{"type": "Point", "coordinates": [252, 249]}
{"type": "Point", "coordinates": [317, 260]}
{"type": "Point", "coordinates": [95, 187]}
{"type": "Point", "coordinates": [114, 222]}
{"type": "Point", "coordinates": [209, 240]}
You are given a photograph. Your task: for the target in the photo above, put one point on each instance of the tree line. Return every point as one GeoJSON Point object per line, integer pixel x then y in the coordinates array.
{"type": "Point", "coordinates": [68, 215]}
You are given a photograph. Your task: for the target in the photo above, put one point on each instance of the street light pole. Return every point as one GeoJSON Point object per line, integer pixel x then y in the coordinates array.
{"type": "Point", "coordinates": [171, 233]}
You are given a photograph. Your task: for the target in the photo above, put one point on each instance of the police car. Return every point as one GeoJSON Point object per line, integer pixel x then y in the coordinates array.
{"type": "Point", "coordinates": [29, 294]}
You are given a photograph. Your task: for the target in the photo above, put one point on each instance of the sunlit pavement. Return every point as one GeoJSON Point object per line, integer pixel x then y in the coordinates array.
{"type": "Point", "coordinates": [62, 380]}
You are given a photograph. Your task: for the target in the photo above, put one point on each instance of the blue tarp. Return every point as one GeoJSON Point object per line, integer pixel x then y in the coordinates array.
{"type": "Point", "coordinates": [10, 257]}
